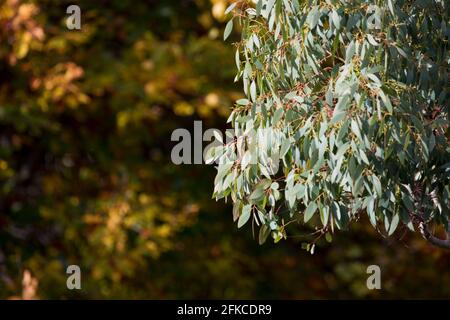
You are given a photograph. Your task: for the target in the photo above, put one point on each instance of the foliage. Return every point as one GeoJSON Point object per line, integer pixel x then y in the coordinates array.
{"type": "Point", "coordinates": [86, 178]}
{"type": "Point", "coordinates": [83, 131]}
{"type": "Point", "coordinates": [351, 97]}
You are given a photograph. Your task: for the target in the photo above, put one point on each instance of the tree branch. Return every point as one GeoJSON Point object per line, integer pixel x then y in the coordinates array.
{"type": "Point", "coordinates": [427, 235]}
{"type": "Point", "coordinates": [418, 219]}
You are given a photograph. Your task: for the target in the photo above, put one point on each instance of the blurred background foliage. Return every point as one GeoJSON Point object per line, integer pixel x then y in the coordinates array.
{"type": "Point", "coordinates": [86, 177]}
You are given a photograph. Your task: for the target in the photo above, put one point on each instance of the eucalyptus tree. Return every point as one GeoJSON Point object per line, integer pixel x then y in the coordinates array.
{"type": "Point", "coordinates": [346, 114]}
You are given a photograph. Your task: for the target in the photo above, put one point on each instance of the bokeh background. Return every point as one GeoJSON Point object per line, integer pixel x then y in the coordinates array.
{"type": "Point", "coordinates": [86, 178]}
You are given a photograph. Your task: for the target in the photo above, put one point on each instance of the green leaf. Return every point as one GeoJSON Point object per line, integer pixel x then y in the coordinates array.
{"type": "Point", "coordinates": [372, 40]}
{"type": "Point", "coordinates": [391, 7]}
{"type": "Point", "coordinates": [223, 170]}
{"type": "Point", "coordinates": [270, 4]}
{"type": "Point", "coordinates": [228, 29]}
{"type": "Point", "coordinates": [431, 142]}
{"type": "Point", "coordinates": [350, 51]}
{"type": "Point", "coordinates": [377, 185]}
{"type": "Point", "coordinates": [394, 224]}
{"type": "Point", "coordinates": [336, 19]}
{"type": "Point", "coordinates": [248, 70]}
{"type": "Point", "coordinates": [324, 215]}
{"type": "Point", "coordinates": [237, 59]}
{"type": "Point", "coordinates": [277, 116]}
{"type": "Point", "coordinates": [310, 210]}
{"type": "Point", "coordinates": [257, 193]}
{"type": "Point", "coordinates": [218, 136]}
{"type": "Point", "coordinates": [363, 156]}
{"type": "Point", "coordinates": [230, 7]}
{"type": "Point", "coordinates": [386, 101]}
{"type": "Point", "coordinates": [313, 17]}
{"type": "Point", "coordinates": [355, 129]}
{"type": "Point", "coordinates": [253, 91]}
{"type": "Point", "coordinates": [236, 209]}
{"type": "Point", "coordinates": [243, 102]}
{"type": "Point", "coordinates": [408, 203]}
{"type": "Point", "coordinates": [371, 211]}
{"type": "Point", "coordinates": [336, 210]}
{"type": "Point", "coordinates": [342, 150]}
{"type": "Point", "coordinates": [264, 232]}
{"type": "Point", "coordinates": [245, 215]}
{"type": "Point", "coordinates": [299, 190]}
{"type": "Point", "coordinates": [338, 116]}
{"type": "Point", "coordinates": [285, 147]}
{"type": "Point", "coordinates": [342, 104]}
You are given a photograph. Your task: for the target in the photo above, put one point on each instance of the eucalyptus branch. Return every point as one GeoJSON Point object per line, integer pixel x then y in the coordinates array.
{"type": "Point", "coordinates": [427, 235]}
